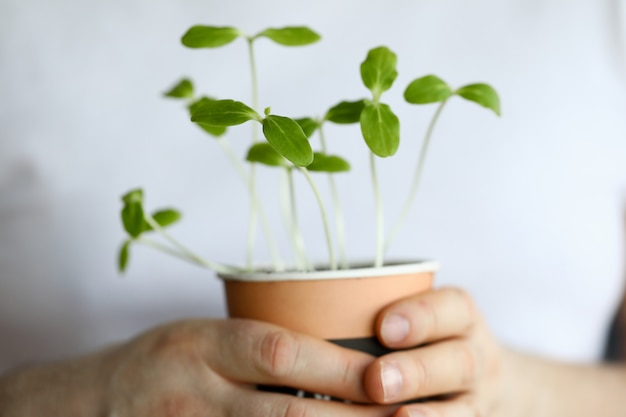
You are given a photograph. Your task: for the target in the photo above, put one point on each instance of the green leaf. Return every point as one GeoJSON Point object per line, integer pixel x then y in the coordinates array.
{"type": "Point", "coordinates": [378, 71]}
{"type": "Point", "coordinates": [209, 36]}
{"type": "Point", "coordinates": [291, 36]}
{"type": "Point", "coordinates": [166, 217]}
{"type": "Point", "coordinates": [287, 137]}
{"type": "Point", "coordinates": [328, 163]}
{"type": "Point", "coordinates": [308, 125]}
{"type": "Point", "coordinates": [216, 131]}
{"type": "Point", "coordinates": [184, 89]}
{"type": "Point", "coordinates": [483, 94]}
{"type": "Point", "coordinates": [122, 257]}
{"type": "Point", "coordinates": [345, 112]}
{"type": "Point", "coordinates": [224, 113]}
{"type": "Point", "coordinates": [264, 153]}
{"type": "Point", "coordinates": [427, 89]}
{"type": "Point", "coordinates": [132, 213]}
{"type": "Point", "coordinates": [381, 129]}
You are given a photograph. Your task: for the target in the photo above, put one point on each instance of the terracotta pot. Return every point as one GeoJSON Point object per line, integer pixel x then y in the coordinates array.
{"type": "Point", "coordinates": [339, 305]}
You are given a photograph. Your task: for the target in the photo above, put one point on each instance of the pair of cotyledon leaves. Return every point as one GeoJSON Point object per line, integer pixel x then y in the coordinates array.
{"type": "Point", "coordinates": [379, 125]}
{"type": "Point", "coordinates": [134, 221]}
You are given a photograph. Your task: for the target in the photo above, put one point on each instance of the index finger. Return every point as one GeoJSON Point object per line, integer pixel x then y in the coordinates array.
{"type": "Point", "coordinates": [260, 353]}
{"type": "Point", "coordinates": [426, 317]}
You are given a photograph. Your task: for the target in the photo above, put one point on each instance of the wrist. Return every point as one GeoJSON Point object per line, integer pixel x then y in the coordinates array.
{"type": "Point", "coordinates": [68, 389]}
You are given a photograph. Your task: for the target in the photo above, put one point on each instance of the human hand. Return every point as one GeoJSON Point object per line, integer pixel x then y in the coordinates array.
{"type": "Point", "coordinates": [450, 355]}
{"type": "Point", "coordinates": [210, 368]}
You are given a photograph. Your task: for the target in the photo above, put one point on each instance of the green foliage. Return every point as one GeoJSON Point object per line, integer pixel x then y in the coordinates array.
{"type": "Point", "coordinates": [224, 113]}
{"type": "Point", "coordinates": [308, 125]}
{"type": "Point", "coordinates": [287, 137]}
{"type": "Point", "coordinates": [346, 112]}
{"type": "Point", "coordinates": [165, 218]}
{"type": "Point", "coordinates": [132, 213]}
{"type": "Point", "coordinates": [328, 163]}
{"type": "Point", "coordinates": [426, 90]}
{"type": "Point", "coordinates": [209, 36]}
{"type": "Point", "coordinates": [381, 129]}
{"type": "Point", "coordinates": [265, 154]}
{"type": "Point", "coordinates": [291, 36]}
{"type": "Point", "coordinates": [288, 140]}
{"type": "Point", "coordinates": [216, 131]}
{"type": "Point", "coordinates": [482, 94]}
{"type": "Point", "coordinates": [183, 89]}
{"type": "Point", "coordinates": [378, 71]}
{"type": "Point", "coordinates": [123, 255]}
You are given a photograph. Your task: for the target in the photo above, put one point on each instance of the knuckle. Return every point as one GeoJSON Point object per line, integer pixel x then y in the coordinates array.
{"type": "Point", "coordinates": [175, 404]}
{"type": "Point", "coordinates": [297, 409]}
{"type": "Point", "coordinates": [422, 377]}
{"type": "Point", "coordinates": [473, 408]}
{"type": "Point", "coordinates": [429, 321]}
{"type": "Point", "coordinates": [277, 354]}
{"type": "Point", "coordinates": [172, 341]}
{"type": "Point", "coordinates": [466, 299]}
{"type": "Point", "coordinates": [469, 365]}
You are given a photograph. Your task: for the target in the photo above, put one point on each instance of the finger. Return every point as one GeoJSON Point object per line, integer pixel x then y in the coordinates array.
{"type": "Point", "coordinates": [257, 404]}
{"type": "Point", "coordinates": [442, 368]}
{"type": "Point", "coordinates": [426, 317]}
{"type": "Point", "coordinates": [260, 353]}
{"type": "Point", "coordinates": [458, 406]}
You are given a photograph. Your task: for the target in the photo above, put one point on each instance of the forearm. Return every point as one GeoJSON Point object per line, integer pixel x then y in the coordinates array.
{"type": "Point", "coordinates": [541, 388]}
{"type": "Point", "coordinates": [67, 389]}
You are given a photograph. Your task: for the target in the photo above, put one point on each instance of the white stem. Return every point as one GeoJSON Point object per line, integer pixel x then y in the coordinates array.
{"type": "Point", "coordinates": [380, 223]}
{"type": "Point", "coordinates": [252, 219]}
{"type": "Point", "coordinates": [273, 247]}
{"type": "Point", "coordinates": [339, 218]}
{"type": "Point", "coordinates": [416, 178]}
{"type": "Point", "coordinates": [184, 252]}
{"type": "Point", "coordinates": [301, 257]}
{"type": "Point", "coordinates": [318, 196]}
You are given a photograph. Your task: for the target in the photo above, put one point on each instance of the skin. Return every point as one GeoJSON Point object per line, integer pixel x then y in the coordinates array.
{"type": "Point", "coordinates": [209, 368]}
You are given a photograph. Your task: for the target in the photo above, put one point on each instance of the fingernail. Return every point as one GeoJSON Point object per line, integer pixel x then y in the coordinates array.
{"type": "Point", "coordinates": [392, 381]}
{"type": "Point", "coordinates": [394, 329]}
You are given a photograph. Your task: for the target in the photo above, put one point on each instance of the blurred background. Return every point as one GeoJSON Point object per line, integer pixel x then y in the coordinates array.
{"type": "Point", "coordinates": [525, 211]}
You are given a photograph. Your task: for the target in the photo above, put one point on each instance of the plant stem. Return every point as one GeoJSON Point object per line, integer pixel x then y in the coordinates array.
{"type": "Point", "coordinates": [416, 177]}
{"type": "Point", "coordinates": [339, 218]}
{"type": "Point", "coordinates": [252, 220]}
{"type": "Point", "coordinates": [380, 221]}
{"type": "Point", "coordinates": [255, 86]}
{"type": "Point", "coordinates": [318, 196]}
{"type": "Point", "coordinates": [183, 252]}
{"type": "Point", "coordinates": [301, 258]}
{"type": "Point", "coordinates": [273, 247]}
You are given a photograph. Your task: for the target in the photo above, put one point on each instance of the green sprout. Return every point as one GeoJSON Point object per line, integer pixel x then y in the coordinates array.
{"type": "Point", "coordinates": [284, 143]}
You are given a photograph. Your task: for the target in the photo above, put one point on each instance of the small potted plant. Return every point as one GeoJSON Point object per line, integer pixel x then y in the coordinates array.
{"type": "Point", "coordinates": [337, 300]}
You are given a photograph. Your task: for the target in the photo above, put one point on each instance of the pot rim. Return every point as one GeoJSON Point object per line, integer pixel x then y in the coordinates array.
{"type": "Point", "coordinates": [357, 270]}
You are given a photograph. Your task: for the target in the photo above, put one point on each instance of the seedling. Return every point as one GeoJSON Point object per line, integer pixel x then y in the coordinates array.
{"type": "Point", "coordinates": [286, 146]}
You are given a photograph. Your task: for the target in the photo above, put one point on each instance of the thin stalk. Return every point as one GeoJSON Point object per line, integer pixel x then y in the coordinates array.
{"type": "Point", "coordinates": [380, 220]}
{"type": "Point", "coordinates": [184, 252]}
{"type": "Point", "coordinates": [255, 86]}
{"type": "Point", "coordinates": [273, 247]}
{"type": "Point", "coordinates": [339, 218]}
{"type": "Point", "coordinates": [416, 177]}
{"type": "Point", "coordinates": [318, 196]}
{"type": "Point", "coordinates": [302, 260]}
{"type": "Point", "coordinates": [252, 220]}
